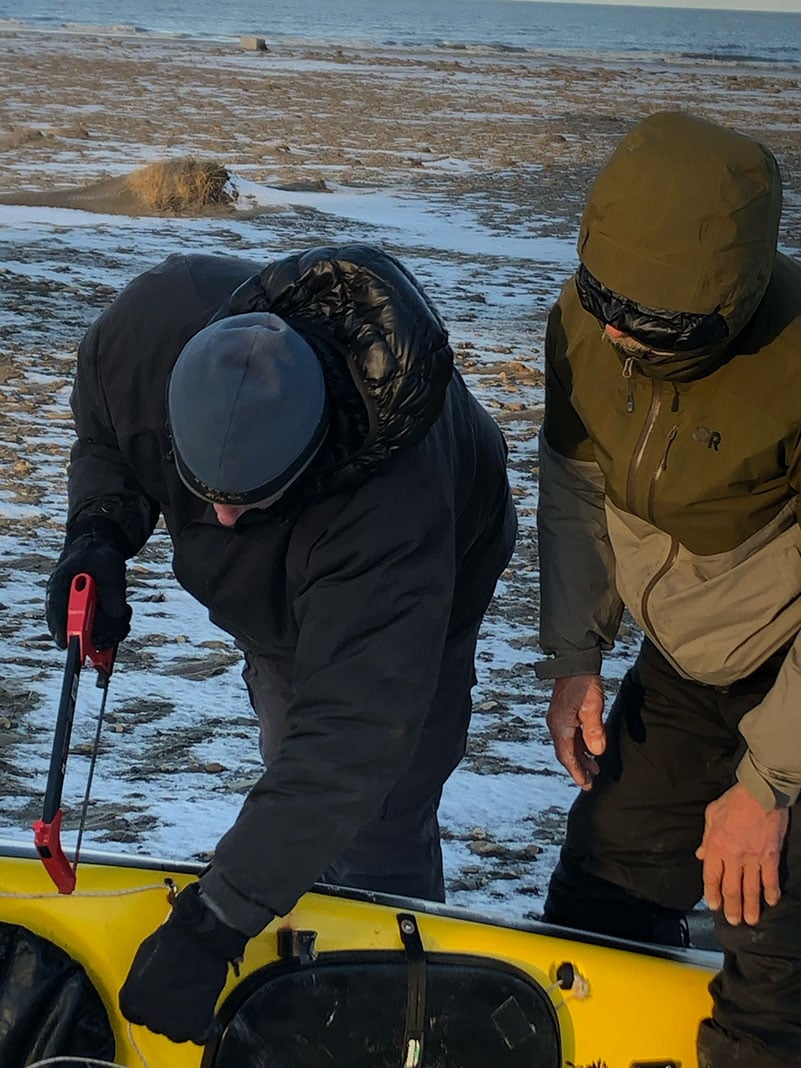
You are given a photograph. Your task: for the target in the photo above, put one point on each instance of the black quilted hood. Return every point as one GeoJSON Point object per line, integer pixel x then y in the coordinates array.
{"type": "Point", "coordinates": [382, 345]}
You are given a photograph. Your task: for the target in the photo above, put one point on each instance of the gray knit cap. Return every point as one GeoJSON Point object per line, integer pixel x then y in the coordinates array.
{"type": "Point", "coordinates": [246, 406]}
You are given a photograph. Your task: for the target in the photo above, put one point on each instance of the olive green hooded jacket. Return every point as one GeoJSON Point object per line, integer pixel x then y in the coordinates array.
{"type": "Point", "coordinates": [669, 483]}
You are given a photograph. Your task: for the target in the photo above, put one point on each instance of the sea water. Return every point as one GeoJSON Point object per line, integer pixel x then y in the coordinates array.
{"type": "Point", "coordinates": [525, 25]}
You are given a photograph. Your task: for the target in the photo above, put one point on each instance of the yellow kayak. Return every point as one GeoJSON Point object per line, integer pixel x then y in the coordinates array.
{"type": "Point", "coordinates": [348, 978]}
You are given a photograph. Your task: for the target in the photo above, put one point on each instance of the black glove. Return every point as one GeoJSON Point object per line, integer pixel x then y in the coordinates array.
{"type": "Point", "coordinates": [100, 555]}
{"type": "Point", "coordinates": [179, 971]}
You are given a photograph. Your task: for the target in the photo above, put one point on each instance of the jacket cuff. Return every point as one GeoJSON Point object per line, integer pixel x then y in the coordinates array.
{"type": "Point", "coordinates": [191, 911]}
{"type": "Point", "coordinates": [768, 795]}
{"type": "Point", "coordinates": [576, 662]}
{"type": "Point", "coordinates": [231, 907]}
{"type": "Point", "coordinates": [101, 528]}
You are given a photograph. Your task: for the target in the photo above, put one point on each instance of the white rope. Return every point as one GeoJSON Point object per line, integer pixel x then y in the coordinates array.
{"type": "Point", "coordinates": [89, 1062]}
{"type": "Point", "coordinates": [72, 1061]}
{"type": "Point", "coordinates": [76, 1062]}
{"type": "Point", "coordinates": [51, 895]}
{"type": "Point", "coordinates": [135, 1045]}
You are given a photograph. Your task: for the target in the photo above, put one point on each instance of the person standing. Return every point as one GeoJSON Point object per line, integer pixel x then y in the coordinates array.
{"type": "Point", "coordinates": [670, 473]}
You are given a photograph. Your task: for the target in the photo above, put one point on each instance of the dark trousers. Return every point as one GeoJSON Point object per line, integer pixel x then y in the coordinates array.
{"type": "Point", "coordinates": [628, 865]}
{"type": "Point", "coordinates": [399, 851]}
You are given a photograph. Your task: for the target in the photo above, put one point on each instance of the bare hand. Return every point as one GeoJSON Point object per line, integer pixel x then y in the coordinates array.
{"type": "Point", "coordinates": [575, 720]}
{"type": "Point", "coordinates": [740, 849]}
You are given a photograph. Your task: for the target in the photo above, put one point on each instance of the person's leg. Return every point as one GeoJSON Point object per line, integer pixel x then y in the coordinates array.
{"type": "Point", "coordinates": [628, 865]}
{"type": "Point", "coordinates": [400, 852]}
{"type": "Point", "coordinates": [396, 855]}
{"type": "Point", "coordinates": [756, 1018]}
{"type": "Point", "coordinates": [674, 747]}
{"type": "Point", "coordinates": [576, 898]}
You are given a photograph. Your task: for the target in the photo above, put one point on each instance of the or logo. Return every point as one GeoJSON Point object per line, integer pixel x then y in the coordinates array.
{"type": "Point", "coordinates": [704, 436]}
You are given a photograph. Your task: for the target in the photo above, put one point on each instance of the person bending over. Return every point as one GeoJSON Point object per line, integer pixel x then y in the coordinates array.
{"type": "Point", "coordinates": [339, 502]}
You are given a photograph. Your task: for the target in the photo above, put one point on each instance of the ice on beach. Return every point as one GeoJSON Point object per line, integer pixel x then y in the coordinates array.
{"type": "Point", "coordinates": [437, 225]}
{"type": "Point", "coordinates": [168, 719]}
{"type": "Point", "coordinates": [180, 744]}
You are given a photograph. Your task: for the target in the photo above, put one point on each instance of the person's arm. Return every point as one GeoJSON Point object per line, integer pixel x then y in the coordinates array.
{"type": "Point", "coordinates": [771, 767]}
{"type": "Point", "coordinates": [580, 608]}
{"type": "Point", "coordinates": [109, 516]}
{"type": "Point", "coordinates": [745, 828]}
{"type": "Point", "coordinates": [374, 575]}
{"type": "Point", "coordinates": [103, 490]}
{"type": "Point", "coordinates": [118, 400]}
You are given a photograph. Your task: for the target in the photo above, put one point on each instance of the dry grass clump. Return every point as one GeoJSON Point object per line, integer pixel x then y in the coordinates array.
{"type": "Point", "coordinates": [180, 185]}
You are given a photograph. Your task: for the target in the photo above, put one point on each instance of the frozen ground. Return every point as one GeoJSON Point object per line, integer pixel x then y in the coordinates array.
{"type": "Point", "coordinates": [472, 171]}
{"type": "Point", "coordinates": [180, 748]}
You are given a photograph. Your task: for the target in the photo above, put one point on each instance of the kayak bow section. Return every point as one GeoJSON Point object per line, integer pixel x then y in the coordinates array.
{"type": "Point", "coordinates": [347, 977]}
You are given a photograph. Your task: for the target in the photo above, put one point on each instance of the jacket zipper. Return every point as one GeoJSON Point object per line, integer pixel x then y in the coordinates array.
{"type": "Point", "coordinates": [642, 441]}
{"type": "Point", "coordinates": [631, 483]}
{"type": "Point", "coordinates": [674, 545]}
{"type": "Point", "coordinates": [628, 370]}
{"type": "Point", "coordinates": [658, 474]}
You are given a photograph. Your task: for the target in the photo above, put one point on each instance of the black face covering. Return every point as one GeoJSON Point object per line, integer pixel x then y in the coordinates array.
{"type": "Point", "coordinates": [665, 331]}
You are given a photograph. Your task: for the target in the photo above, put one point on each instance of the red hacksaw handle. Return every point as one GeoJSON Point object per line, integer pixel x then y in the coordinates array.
{"type": "Point", "coordinates": [47, 839]}
{"type": "Point", "coordinates": [81, 610]}
{"type": "Point", "coordinates": [80, 620]}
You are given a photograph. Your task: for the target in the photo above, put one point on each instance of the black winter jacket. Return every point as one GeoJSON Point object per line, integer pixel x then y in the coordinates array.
{"type": "Point", "coordinates": [393, 540]}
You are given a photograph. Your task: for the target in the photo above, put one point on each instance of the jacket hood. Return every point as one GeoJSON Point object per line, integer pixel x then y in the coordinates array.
{"type": "Point", "coordinates": [382, 345]}
{"type": "Point", "coordinates": [685, 217]}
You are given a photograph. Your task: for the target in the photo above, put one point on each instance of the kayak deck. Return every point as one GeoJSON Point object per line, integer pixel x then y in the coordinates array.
{"type": "Point", "coordinates": [601, 1002]}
